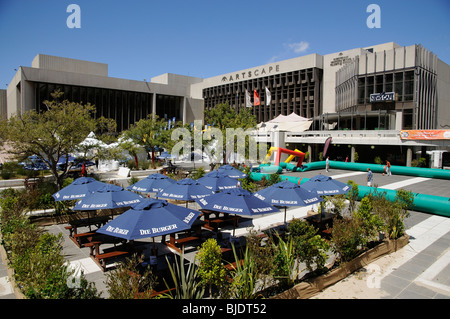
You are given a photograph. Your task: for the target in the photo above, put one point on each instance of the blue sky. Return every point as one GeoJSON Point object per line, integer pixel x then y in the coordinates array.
{"type": "Point", "coordinates": [142, 39]}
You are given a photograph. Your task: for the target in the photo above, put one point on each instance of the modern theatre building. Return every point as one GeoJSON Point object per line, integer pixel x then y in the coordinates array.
{"type": "Point", "coordinates": [363, 98]}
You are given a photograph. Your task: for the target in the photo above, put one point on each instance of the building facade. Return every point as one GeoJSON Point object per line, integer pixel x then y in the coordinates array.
{"type": "Point", "coordinates": [125, 101]}
{"type": "Point", "coordinates": [385, 88]}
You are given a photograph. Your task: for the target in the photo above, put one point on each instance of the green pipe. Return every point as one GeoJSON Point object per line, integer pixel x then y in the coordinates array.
{"type": "Point", "coordinates": [399, 170]}
{"type": "Point", "coordinates": [422, 202]}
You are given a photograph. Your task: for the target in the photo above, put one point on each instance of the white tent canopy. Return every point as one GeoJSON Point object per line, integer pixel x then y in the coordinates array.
{"type": "Point", "coordinates": [289, 123]}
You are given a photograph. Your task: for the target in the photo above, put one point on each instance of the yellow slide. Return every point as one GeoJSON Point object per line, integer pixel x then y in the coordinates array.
{"type": "Point", "coordinates": [291, 157]}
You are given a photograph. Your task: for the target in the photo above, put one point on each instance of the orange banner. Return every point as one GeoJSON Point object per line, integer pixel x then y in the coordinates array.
{"type": "Point", "coordinates": [425, 135]}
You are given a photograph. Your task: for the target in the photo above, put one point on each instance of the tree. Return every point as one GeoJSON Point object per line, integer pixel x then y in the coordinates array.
{"type": "Point", "coordinates": [51, 134]}
{"type": "Point", "coordinates": [223, 117]}
{"type": "Point", "coordinates": [150, 133]}
{"type": "Point", "coordinates": [309, 247]}
{"type": "Point", "coordinates": [211, 270]}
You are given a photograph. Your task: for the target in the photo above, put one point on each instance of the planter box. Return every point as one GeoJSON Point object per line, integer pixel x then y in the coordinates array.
{"type": "Point", "coordinates": [311, 287]}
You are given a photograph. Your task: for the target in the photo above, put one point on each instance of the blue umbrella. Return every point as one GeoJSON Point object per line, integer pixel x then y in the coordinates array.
{"type": "Point", "coordinates": [153, 183]}
{"type": "Point", "coordinates": [218, 181]}
{"type": "Point", "coordinates": [79, 188]}
{"type": "Point", "coordinates": [150, 218]}
{"type": "Point", "coordinates": [231, 171]}
{"type": "Point", "coordinates": [165, 155]}
{"type": "Point", "coordinates": [237, 201]}
{"type": "Point", "coordinates": [109, 196]}
{"type": "Point", "coordinates": [286, 193]}
{"type": "Point", "coordinates": [325, 185]}
{"type": "Point", "coordinates": [63, 159]}
{"type": "Point", "coordinates": [186, 189]}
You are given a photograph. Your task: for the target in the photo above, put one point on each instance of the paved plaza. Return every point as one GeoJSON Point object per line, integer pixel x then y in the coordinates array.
{"type": "Point", "coordinates": [419, 270]}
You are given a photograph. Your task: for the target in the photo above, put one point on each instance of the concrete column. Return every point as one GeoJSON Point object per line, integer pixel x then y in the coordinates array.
{"type": "Point", "coordinates": [352, 155]}
{"type": "Point", "coordinates": [183, 111]}
{"type": "Point", "coordinates": [154, 104]}
{"type": "Point", "coordinates": [398, 120]}
{"type": "Point", "coordinates": [409, 154]}
{"type": "Point", "coordinates": [310, 153]}
{"type": "Point", "coordinates": [278, 141]}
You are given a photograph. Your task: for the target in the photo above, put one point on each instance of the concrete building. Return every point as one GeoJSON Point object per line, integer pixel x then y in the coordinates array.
{"type": "Point", "coordinates": [126, 101]}
{"type": "Point", "coordinates": [363, 98]}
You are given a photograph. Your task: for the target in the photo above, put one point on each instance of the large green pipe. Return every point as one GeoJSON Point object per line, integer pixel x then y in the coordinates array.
{"type": "Point", "coordinates": [399, 170]}
{"type": "Point", "coordinates": [422, 202]}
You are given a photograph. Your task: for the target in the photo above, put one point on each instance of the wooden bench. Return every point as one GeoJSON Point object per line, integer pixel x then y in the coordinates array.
{"type": "Point", "coordinates": [327, 233]}
{"type": "Point", "coordinates": [174, 243]}
{"type": "Point", "coordinates": [78, 238]}
{"type": "Point", "coordinates": [94, 246]}
{"type": "Point", "coordinates": [101, 259]}
{"type": "Point", "coordinates": [214, 224]}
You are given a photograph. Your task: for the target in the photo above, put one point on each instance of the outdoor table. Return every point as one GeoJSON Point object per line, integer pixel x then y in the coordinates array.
{"type": "Point", "coordinates": [321, 221]}
{"type": "Point", "coordinates": [98, 221]}
{"type": "Point", "coordinates": [175, 242]}
{"type": "Point", "coordinates": [217, 222]}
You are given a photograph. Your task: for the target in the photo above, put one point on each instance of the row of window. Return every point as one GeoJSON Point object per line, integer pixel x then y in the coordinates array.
{"type": "Point", "coordinates": [402, 83]}
{"type": "Point", "coordinates": [297, 91]}
{"type": "Point", "coordinates": [125, 107]}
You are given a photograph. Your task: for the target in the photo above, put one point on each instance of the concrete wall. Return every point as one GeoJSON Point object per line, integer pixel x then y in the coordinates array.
{"type": "Point", "coordinates": [443, 99]}
{"type": "Point", "coordinates": [43, 61]}
{"type": "Point", "coordinates": [3, 110]}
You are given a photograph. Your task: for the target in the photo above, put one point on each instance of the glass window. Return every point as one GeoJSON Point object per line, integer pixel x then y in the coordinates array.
{"type": "Point", "coordinates": [407, 119]}
{"type": "Point", "coordinates": [379, 84]}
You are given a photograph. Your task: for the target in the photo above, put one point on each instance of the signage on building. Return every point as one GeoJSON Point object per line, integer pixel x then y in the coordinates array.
{"type": "Point", "coordinates": [265, 70]}
{"type": "Point", "coordinates": [425, 135]}
{"type": "Point", "coordinates": [383, 97]}
{"type": "Point", "coordinates": [340, 60]}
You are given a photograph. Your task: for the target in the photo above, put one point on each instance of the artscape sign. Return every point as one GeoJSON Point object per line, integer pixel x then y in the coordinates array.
{"type": "Point", "coordinates": [383, 97]}
{"type": "Point", "coordinates": [265, 70]}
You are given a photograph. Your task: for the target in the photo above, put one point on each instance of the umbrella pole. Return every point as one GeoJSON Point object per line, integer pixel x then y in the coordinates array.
{"type": "Point", "coordinates": [154, 246]}
{"type": "Point", "coordinates": [284, 215]}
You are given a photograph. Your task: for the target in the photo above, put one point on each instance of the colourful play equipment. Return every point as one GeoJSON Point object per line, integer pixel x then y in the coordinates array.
{"type": "Point", "coordinates": [438, 205]}
{"type": "Point", "coordinates": [277, 167]}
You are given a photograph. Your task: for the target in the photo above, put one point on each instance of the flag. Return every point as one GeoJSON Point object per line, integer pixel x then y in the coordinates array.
{"type": "Point", "coordinates": [256, 98]}
{"type": "Point", "coordinates": [83, 169]}
{"type": "Point", "coordinates": [248, 103]}
{"type": "Point", "coordinates": [325, 147]}
{"type": "Point", "coordinates": [268, 96]}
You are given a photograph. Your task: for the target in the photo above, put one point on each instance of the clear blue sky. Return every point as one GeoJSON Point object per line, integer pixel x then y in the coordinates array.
{"type": "Point", "coordinates": [142, 39]}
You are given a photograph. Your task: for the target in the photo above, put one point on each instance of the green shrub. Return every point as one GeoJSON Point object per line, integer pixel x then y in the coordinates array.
{"type": "Point", "coordinates": [125, 283]}
{"type": "Point", "coordinates": [211, 270]}
{"type": "Point", "coordinates": [39, 266]}
{"type": "Point", "coordinates": [310, 247]}
{"type": "Point", "coordinates": [393, 213]}
{"type": "Point", "coordinates": [347, 238]}
{"type": "Point", "coordinates": [371, 223]}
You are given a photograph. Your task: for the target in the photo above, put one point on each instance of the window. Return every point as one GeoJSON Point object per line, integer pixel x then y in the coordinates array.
{"type": "Point", "coordinates": [388, 82]}
{"type": "Point", "coordinates": [409, 85]}
{"type": "Point", "coordinates": [407, 119]}
{"type": "Point", "coordinates": [379, 84]}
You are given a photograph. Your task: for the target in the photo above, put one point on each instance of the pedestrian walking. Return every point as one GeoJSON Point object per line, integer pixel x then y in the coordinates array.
{"type": "Point", "coordinates": [369, 177]}
{"type": "Point", "coordinates": [388, 168]}
{"type": "Point", "coordinates": [327, 163]}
